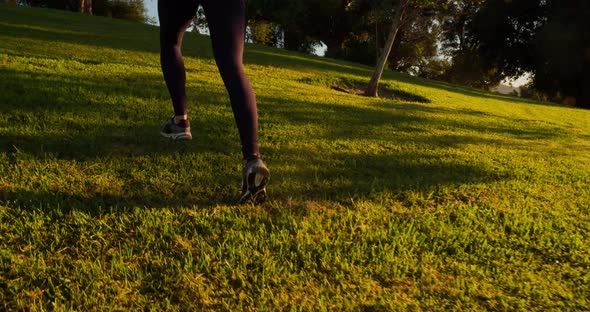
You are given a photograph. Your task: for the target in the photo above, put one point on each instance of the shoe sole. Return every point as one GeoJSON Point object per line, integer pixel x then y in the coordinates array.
{"type": "Point", "coordinates": [177, 136]}
{"type": "Point", "coordinates": [257, 181]}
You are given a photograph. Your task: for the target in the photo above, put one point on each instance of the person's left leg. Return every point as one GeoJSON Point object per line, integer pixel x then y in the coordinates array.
{"type": "Point", "coordinates": [175, 17]}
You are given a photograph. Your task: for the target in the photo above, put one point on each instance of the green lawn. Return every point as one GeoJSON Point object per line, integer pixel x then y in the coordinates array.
{"type": "Point", "coordinates": [470, 201]}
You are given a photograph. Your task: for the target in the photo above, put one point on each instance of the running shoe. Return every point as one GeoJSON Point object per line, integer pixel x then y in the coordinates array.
{"type": "Point", "coordinates": [177, 131]}
{"type": "Point", "coordinates": [255, 177]}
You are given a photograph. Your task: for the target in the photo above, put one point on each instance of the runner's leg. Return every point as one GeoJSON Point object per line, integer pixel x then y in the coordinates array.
{"type": "Point", "coordinates": [175, 16]}
{"type": "Point", "coordinates": [227, 22]}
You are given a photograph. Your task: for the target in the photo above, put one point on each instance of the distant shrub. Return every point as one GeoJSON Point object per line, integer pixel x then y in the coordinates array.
{"type": "Point", "coordinates": [528, 91]}
{"type": "Point", "coordinates": [133, 10]}
{"type": "Point", "coordinates": [261, 31]}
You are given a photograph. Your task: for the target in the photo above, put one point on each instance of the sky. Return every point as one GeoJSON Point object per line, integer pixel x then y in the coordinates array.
{"type": "Point", "coordinates": [152, 9]}
{"type": "Point", "coordinates": [519, 82]}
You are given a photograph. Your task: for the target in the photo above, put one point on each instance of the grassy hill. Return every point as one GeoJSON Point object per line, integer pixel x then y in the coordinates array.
{"type": "Point", "coordinates": [465, 200]}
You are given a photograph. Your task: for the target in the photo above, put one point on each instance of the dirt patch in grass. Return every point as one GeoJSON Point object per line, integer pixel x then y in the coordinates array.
{"type": "Point", "coordinates": [384, 92]}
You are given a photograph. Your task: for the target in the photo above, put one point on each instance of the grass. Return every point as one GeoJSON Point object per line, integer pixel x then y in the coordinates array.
{"type": "Point", "coordinates": [470, 201]}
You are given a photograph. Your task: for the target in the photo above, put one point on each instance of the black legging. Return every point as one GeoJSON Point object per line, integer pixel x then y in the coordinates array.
{"type": "Point", "coordinates": [226, 20]}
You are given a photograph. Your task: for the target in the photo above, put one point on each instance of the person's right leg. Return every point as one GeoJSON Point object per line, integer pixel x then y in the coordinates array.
{"type": "Point", "coordinates": [227, 22]}
{"type": "Point", "coordinates": [175, 17]}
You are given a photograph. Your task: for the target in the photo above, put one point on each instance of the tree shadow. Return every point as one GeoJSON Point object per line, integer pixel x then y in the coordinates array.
{"type": "Point", "coordinates": [351, 175]}
{"type": "Point", "coordinates": [469, 91]}
{"type": "Point", "coordinates": [52, 120]}
{"type": "Point", "coordinates": [332, 172]}
{"type": "Point", "coordinates": [332, 164]}
{"type": "Point", "coordinates": [138, 161]}
{"type": "Point", "coordinates": [89, 118]}
{"type": "Point", "coordinates": [99, 203]}
{"type": "Point", "coordinates": [351, 122]}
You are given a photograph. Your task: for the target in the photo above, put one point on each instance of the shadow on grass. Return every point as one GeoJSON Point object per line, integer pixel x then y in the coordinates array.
{"type": "Point", "coordinates": [352, 156]}
{"type": "Point", "coordinates": [45, 25]}
{"type": "Point", "coordinates": [350, 175]}
{"type": "Point", "coordinates": [329, 170]}
{"type": "Point", "coordinates": [350, 122]}
{"type": "Point", "coordinates": [86, 118]}
{"type": "Point", "coordinates": [52, 120]}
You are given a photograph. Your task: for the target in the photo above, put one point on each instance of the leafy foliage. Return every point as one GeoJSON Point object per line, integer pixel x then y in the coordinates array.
{"type": "Point", "coordinates": [473, 42]}
{"type": "Point", "coordinates": [133, 10]}
{"type": "Point", "coordinates": [546, 38]}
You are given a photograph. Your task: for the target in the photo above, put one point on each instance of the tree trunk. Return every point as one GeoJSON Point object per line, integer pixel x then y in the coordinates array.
{"type": "Point", "coordinates": [86, 6]}
{"type": "Point", "coordinates": [372, 88]}
{"type": "Point", "coordinates": [584, 98]}
{"type": "Point", "coordinates": [334, 47]}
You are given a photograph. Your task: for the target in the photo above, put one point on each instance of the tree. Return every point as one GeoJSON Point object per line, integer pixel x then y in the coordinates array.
{"type": "Point", "coordinates": [418, 22]}
{"type": "Point", "coordinates": [461, 46]}
{"type": "Point", "coordinates": [289, 16]}
{"type": "Point", "coordinates": [546, 38]}
{"type": "Point", "coordinates": [263, 32]}
{"type": "Point", "coordinates": [133, 10]}
{"type": "Point", "coordinates": [417, 44]}
{"type": "Point", "coordinates": [86, 6]}
{"type": "Point", "coordinates": [372, 87]}
{"type": "Point", "coordinates": [302, 24]}
{"type": "Point", "coordinates": [561, 62]}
